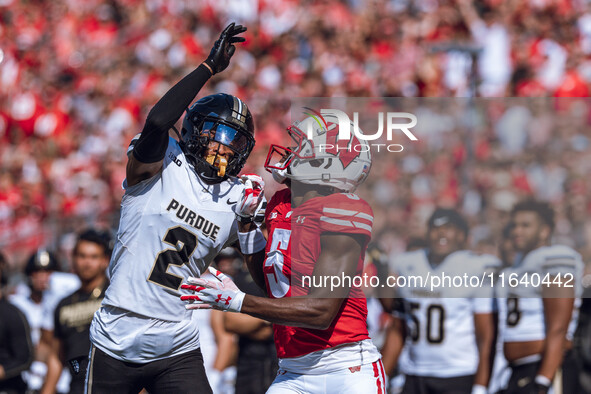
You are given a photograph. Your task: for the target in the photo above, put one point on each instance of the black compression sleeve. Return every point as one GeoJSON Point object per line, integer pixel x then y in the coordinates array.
{"type": "Point", "coordinates": [153, 140]}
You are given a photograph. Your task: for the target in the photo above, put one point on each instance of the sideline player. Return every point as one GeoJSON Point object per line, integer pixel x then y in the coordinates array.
{"type": "Point", "coordinates": [46, 286]}
{"type": "Point", "coordinates": [72, 317]}
{"type": "Point", "coordinates": [540, 315]}
{"type": "Point", "coordinates": [178, 211]}
{"type": "Point", "coordinates": [16, 348]}
{"type": "Point", "coordinates": [449, 333]}
{"type": "Point", "coordinates": [317, 227]}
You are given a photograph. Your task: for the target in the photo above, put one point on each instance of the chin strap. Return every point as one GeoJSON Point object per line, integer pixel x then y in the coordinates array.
{"type": "Point", "coordinates": [177, 132]}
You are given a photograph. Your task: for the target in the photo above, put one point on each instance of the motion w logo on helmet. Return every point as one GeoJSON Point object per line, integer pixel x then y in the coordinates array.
{"type": "Point", "coordinates": [335, 143]}
{"type": "Point", "coordinates": [340, 138]}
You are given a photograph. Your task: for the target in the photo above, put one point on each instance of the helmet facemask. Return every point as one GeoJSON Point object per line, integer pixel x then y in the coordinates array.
{"type": "Point", "coordinates": [311, 162]}
{"type": "Point", "coordinates": [280, 158]}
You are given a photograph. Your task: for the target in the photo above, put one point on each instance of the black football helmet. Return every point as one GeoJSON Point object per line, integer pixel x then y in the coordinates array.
{"type": "Point", "coordinates": [41, 260]}
{"type": "Point", "coordinates": [221, 118]}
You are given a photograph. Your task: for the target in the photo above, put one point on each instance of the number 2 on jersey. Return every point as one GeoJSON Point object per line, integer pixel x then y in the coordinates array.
{"type": "Point", "coordinates": [278, 282]}
{"type": "Point", "coordinates": [184, 243]}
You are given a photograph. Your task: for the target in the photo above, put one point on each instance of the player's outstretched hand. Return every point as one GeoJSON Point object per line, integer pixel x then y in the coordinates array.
{"type": "Point", "coordinates": [252, 197]}
{"type": "Point", "coordinates": [223, 49]}
{"type": "Point", "coordinates": [220, 292]}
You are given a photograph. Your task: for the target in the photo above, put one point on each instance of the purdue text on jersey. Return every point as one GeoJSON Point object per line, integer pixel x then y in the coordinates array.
{"type": "Point", "coordinates": [208, 228]}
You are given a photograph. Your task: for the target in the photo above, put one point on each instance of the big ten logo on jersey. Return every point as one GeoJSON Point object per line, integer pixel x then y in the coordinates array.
{"type": "Point", "coordinates": [182, 212]}
{"type": "Point", "coordinates": [175, 159]}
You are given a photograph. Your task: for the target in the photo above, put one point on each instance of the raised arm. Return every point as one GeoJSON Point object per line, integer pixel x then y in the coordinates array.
{"type": "Point", "coordinates": [149, 148]}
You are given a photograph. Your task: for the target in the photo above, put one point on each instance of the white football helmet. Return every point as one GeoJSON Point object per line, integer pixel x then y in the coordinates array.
{"type": "Point", "coordinates": [322, 160]}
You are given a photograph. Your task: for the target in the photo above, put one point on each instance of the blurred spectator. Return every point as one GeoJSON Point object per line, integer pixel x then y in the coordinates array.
{"type": "Point", "coordinates": [73, 314]}
{"type": "Point", "coordinates": [16, 349]}
{"type": "Point", "coordinates": [35, 300]}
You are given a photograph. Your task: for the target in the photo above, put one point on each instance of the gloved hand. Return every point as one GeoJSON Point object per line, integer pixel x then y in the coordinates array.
{"type": "Point", "coordinates": [222, 51]}
{"type": "Point", "coordinates": [252, 198]}
{"type": "Point", "coordinates": [532, 387]}
{"type": "Point", "coordinates": [219, 293]}
{"type": "Point", "coordinates": [537, 388]}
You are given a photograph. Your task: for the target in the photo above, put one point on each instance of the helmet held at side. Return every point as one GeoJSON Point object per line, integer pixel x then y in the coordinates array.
{"type": "Point", "coordinates": [223, 119]}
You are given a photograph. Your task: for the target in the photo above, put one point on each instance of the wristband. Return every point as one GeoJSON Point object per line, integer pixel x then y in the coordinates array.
{"type": "Point", "coordinates": [236, 304]}
{"type": "Point", "coordinates": [544, 381]}
{"type": "Point", "coordinates": [244, 219]}
{"type": "Point", "coordinates": [479, 389]}
{"type": "Point", "coordinates": [252, 242]}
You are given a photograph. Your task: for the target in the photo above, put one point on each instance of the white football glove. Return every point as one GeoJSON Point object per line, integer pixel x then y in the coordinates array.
{"type": "Point", "coordinates": [219, 293]}
{"type": "Point", "coordinates": [252, 198]}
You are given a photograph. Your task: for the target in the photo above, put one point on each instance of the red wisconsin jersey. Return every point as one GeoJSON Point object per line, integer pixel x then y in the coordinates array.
{"type": "Point", "coordinates": [293, 248]}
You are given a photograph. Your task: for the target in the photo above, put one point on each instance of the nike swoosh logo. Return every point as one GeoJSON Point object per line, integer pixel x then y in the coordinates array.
{"type": "Point", "coordinates": [231, 202]}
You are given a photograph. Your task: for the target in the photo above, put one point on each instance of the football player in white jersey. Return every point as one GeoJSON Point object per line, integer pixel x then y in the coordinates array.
{"type": "Point", "coordinates": [180, 208]}
{"type": "Point", "coordinates": [46, 287]}
{"type": "Point", "coordinates": [540, 310]}
{"type": "Point", "coordinates": [449, 333]}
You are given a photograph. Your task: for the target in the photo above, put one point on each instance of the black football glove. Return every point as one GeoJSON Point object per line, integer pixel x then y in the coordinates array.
{"type": "Point", "coordinates": [222, 51]}
{"type": "Point", "coordinates": [536, 388]}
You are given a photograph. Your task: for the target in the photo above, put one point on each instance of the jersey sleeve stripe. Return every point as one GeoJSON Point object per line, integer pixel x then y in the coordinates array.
{"type": "Point", "coordinates": [346, 212]}
{"type": "Point", "coordinates": [558, 265]}
{"type": "Point", "coordinates": [132, 143]}
{"type": "Point", "coordinates": [345, 223]}
{"type": "Point", "coordinates": [563, 257]}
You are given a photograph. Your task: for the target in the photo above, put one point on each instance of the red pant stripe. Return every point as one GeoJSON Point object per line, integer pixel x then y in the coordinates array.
{"type": "Point", "coordinates": [383, 373]}
{"type": "Point", "coordinates": [376, 374]}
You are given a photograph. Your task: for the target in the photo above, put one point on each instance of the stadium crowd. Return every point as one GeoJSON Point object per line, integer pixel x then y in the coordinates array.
{"type": "Point", "coordinates": [75, 81]}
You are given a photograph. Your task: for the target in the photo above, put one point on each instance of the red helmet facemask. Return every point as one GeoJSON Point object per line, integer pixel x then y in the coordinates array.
{"type": "Point", "coordinates": [280, 157]}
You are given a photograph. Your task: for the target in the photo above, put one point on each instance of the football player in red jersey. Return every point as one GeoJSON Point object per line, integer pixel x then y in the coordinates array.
{"type": "Point", "coordinates": [317, 229]}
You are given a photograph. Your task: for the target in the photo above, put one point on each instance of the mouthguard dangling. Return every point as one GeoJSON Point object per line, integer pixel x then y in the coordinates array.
{"type": "Point", "coordinates": [218, 161]}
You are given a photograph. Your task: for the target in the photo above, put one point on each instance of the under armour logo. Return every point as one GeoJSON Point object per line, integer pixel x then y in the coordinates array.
{"type": "Point", "coordinates": [226, 300]}
{"type": "Point", "coordinates": [273, 215]}
{"type": "Point", "coordinates": [300, 219]}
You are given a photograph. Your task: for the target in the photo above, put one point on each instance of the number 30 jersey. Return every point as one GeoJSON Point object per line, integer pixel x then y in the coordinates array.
{"type": "Point", "coordinates": [172, 226]}
{"type": "Point", "coordinates": [292, 249]}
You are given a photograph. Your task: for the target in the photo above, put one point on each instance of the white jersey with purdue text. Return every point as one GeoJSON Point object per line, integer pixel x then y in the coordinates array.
{"type": "Point", "coordinates": [522, 312]}
{"type": "Point", "coordinates": [172, 226]}
{"type": "Point", "coordinates": [441, 341]}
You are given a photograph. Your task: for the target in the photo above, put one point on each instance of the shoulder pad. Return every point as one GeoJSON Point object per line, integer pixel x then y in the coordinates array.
{"type": "Point", "coordinates": [132, 143]}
